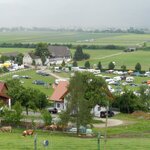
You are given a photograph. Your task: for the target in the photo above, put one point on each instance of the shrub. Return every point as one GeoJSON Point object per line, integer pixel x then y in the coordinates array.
{"type": "Point", "coordinates": [46, 116]}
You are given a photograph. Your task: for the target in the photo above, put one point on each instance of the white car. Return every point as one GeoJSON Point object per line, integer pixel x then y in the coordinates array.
{"type": "Point", "coordinates": [73, 130]}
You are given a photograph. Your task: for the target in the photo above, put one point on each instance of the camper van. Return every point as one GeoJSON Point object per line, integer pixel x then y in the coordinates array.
{"type": "Point", "coordinates": [129, 79]}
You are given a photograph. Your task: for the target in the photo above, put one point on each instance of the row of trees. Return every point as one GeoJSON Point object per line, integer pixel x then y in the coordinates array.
{"type": "Point", "coordinates": [111, 66]}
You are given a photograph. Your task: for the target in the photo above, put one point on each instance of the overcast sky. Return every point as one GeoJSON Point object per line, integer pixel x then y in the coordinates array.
{"type": "Point", "coordinates": [75, 13]}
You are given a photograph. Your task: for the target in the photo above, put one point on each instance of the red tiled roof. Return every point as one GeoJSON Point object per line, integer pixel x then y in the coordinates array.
{"type": "Point", "coordinates": [60, 91]}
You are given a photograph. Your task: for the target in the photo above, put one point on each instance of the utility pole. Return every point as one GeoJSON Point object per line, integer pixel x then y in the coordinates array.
{"type": "Point", "coordinates": [35, 142]}
{"type": "Point", "coordinates": [98, 140]}
{"type": "Point", "coordinates": [106, 123]}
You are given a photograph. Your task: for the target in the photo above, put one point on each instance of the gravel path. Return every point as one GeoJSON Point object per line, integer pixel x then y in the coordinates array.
{"type": "Point", "coordinates": [111, 122]}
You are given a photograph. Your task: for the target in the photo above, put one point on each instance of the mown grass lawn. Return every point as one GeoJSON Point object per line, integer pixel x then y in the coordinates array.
{"type": "Point", "coordinates": [15, 141]}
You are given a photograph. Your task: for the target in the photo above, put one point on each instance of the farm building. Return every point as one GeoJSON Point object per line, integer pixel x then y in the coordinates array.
{"type": "Point", "coordinates": [30, 57]}
{"type": "Point", "coordinates": [59, 94]}
{"type": "Point", "coordinates": [60, 103]}
{"type": "Point", "coordinates": [58, 54]}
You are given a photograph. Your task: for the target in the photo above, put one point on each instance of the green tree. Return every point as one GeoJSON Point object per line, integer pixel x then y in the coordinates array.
{"type": "Point", "coordinates": [78, 55]}
{"type": "Point", "coordinates": [123, 67]}
{"type": "Point", "coordinates": [99, 65]}
{"type": "Point", "coordinates": [144, 97]}
{"type": "Point", "coordinates": [4, 58]}
{"type": "Point", "coordinates": [42, 51]}
{"type": "Point", "coordinates": [28, 97]}
{"type": "Point", "coordinates": [13, 116]}
{"type": "Point", "coordinates": [111, 65]}
{"type": "Point", "coordinates": [128, 102]}
{"type": "Point", "coordinates": [63, 63]}
{"type": "Point", "coordinates": [87, 65]}
{"type": "Point", "coordinates": [85, 91]}
{"type": "Point", "coordinates": [19, 59]}
{"type": "Point", "coordinates": [46, 116]}
{"type": "Point", "coordinates": [138, 67]}
{"type": "Point", "coordinates": [75, 64]}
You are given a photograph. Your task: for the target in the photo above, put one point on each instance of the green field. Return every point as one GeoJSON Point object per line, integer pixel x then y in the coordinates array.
{"type": "Point", "coordinates": [11, 141]}
{"type": "Point", "coordinates": [28, 82]}
{"type": "Point", "coordinates": [82, 38]}
{"type": "Point", "coordinates": [119, 57]}
{"type": "Point", "coordinates": [21, 50]}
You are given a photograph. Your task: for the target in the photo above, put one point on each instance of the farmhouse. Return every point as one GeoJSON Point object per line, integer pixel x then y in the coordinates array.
{"type": "Point", "coordinates": [30, 57]}
{"type": "Point", "coordinates": [58, 54]}
{"type": "Point", "coordinates": [59, 94]}
{"type": "Point", "coordinates": [59, 98]}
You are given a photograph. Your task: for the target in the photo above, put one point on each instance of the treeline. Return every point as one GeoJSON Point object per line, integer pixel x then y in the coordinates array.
{"type": "Point", "coordinates": [34, 45]}
{"type": "Point", "coordinates": [107, 30]}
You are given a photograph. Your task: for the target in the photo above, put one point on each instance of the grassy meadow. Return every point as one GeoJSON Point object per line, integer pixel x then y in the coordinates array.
{"type": "Point", "coordinates": [28, 82]}
{"type": "Point", "coordinates": [11, 141]}
{"type": "Point", "coordinates": [21, 50]}
{"type": "Point", "coordinates": [133, 135]}
{"type": "Point", "coordinates": [129, 59]}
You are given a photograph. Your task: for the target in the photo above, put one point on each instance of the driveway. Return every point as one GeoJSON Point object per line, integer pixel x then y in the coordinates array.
{"type": "Point", "coordinates": [111, 122]}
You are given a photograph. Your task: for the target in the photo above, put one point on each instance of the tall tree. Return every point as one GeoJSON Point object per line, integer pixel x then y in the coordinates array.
{"type": "Point", "coordinates": [78, 55]}
{"type": "Point", "coordinates": [111, 65]}
{"type": "Point", "coordinates": [123, 67]}
{"type": "Point", "coordinates": [63, 63]}
{"type": "Point", "coordinates": [85, 91]}
{"type": "Point", "coordinates": [19, 59]}
{"type": "Point", "coordinates": [99, 65]}
{"type": "Point", "coordinates": [138, 67]}
{"type": "Point", "coordinates": [42, 51]}
{"type": "Point", "coordinates": [87, 65]}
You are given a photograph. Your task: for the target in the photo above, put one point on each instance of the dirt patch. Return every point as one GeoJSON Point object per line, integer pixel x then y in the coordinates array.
{"type": "Point", "coordinates": [141, 115]}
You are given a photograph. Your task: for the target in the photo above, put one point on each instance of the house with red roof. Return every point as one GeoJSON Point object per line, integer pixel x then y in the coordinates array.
{"type": "Point", "coordinates": [3, 93]}
{"type": "Point", "coordinates": [59, 94]}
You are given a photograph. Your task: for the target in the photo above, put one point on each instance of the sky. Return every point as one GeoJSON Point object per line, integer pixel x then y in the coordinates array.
{"type": "Point", "coordinates": [75, 13]}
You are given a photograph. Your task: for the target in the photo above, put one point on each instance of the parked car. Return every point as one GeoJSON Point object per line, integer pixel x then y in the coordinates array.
{"type": "Point", "coordinates": [53, 110]}
{"type": "Point", "coordinates": [25, 77]}
{"type": "Point", "coordinates": [104, 113]}
{"type": "Point", "coordinates": [38, 82]}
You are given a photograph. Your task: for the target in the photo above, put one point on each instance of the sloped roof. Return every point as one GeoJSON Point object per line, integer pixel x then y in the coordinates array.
{"type": "Point", "coordinates": [2, 84]}
{"type": "Point", "coordinates": [59, 51]}
{"type": "Point", "coordinates": [2, 94]}
{"type": "Point", "coordinates": [14, 54]}
{"type": "Point", "coordinates": [60, 91]}
{"type": "Point", "coordinates": [33, 56]}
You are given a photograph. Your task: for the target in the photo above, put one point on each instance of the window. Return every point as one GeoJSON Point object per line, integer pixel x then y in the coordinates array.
{"type": "Point", "coordinates": [58, 105]}
{"type": "Point", "coordinates": [98, 108]}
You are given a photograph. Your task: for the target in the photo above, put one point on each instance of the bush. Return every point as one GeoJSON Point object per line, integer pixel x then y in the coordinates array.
{"type": "Point", "coordinates": [13, 116]}
{"type": "Point", "coordinates": [46, 116]}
